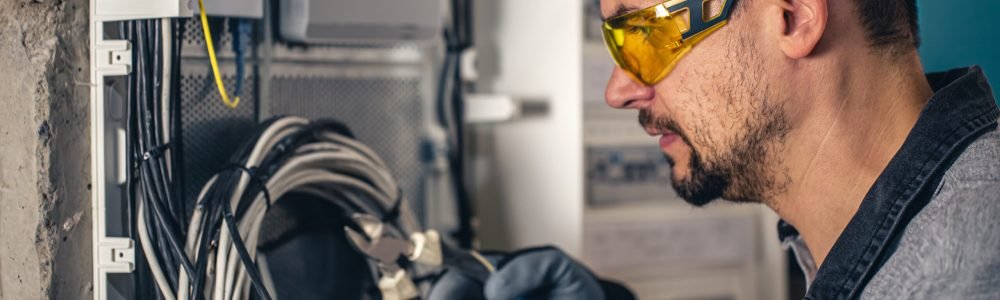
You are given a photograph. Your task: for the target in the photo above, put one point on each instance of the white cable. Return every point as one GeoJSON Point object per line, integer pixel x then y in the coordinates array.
{"type": "Point", "coordinates": [258, 208]}
{"type": "Point", "coordinates": [271, 136]}
{"type": "Point", "coordinates": [193, 240]}
{"type": "Point", "coordinates": [165, 95]}
{"type": "Point", "coordinates": [147, 249]}
{"type": "Point", "coordinates": [266, 141]}
{"type": "Point", "coordinates": [334, 167]}
{"type": "Point", "coordinates": [154, 264]}
{"type": "Point", "coordinates": [319, 161]}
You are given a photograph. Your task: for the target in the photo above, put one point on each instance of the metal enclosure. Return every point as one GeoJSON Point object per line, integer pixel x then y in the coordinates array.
{"type": "Point", "coordinates": [382, 92]}
{"type": "Point", "coordinates": [330, 21]}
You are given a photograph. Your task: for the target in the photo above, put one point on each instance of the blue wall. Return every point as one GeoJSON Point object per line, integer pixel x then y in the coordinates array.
{"type": "Point", "coordinates": [960, 33]}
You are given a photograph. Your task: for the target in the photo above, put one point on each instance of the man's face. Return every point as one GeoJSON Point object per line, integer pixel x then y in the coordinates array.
{"type": "Point", "coordinates": [719, 122]}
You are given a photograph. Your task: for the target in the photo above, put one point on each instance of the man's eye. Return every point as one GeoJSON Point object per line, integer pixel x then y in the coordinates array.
{"type": "Point", "coordinates": [638, 30]}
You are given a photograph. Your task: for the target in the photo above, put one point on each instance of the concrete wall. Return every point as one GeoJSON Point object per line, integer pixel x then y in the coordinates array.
{"type": "Point", "coordinates": [45, 239]}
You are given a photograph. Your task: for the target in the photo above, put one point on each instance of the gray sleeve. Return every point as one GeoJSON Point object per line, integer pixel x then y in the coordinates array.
{"type": "Point", "coordinates": [950, 250]}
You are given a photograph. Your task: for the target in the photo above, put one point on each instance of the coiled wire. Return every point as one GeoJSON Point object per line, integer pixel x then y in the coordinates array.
{"type": "Point", "coordinates": [290, 155]}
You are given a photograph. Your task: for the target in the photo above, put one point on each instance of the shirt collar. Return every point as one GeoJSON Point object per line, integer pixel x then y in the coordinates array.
{"type": "Point", "coordinates": [962, 108]}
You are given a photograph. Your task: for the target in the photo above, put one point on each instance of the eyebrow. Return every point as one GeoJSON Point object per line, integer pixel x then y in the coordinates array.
{"type": "Point", "coordinates": [621, 10]}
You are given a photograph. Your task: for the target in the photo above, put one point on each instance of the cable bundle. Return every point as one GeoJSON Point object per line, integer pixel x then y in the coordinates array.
{"type": "Point", "coordinates": [213, 253]}
{"type": "Point", "coordinates": [151, 137]}
{"type": "Point", "coordinates": [289, 155]}
{"type": "Point", "coordinates": [201, 257]}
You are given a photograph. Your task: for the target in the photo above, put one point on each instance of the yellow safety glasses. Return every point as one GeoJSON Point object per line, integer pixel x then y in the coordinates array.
{"type": "Point", "coordinates": [648, 43]}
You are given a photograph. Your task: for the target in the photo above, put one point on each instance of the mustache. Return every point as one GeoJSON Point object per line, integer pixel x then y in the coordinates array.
{"type": "Point", "coordinates": [648, 120]}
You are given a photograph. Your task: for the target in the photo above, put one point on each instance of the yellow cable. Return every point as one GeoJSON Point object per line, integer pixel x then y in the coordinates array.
{"type": "Point", "coordinates": [482, 260]}
{"type": "Point", "coordinates": [211, 58]}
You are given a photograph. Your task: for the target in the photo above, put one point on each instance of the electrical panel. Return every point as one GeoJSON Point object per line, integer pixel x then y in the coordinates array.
{"type": "Point", "coordinates": [383, 92]}
{"type": "Point", "coordinates": [113, 10]}
{"type": "Point", "coordinates": [626, 173]}
{"type": "Point", "coordinates": [353, 21]}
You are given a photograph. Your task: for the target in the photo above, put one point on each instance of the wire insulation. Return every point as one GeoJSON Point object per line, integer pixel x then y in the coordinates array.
{"type": "Point", "coordinates": [211, 58]}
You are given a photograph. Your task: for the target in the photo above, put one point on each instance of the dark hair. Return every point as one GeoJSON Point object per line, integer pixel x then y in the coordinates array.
{"type": "Point", "coordinates": [891, 25]}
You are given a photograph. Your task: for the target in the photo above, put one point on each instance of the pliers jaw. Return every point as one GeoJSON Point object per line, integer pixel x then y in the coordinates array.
{"type": "Point", "coordinates": [393, 254]}
{"type": "Point", "coordinates": [388, 251]}
{"type": "Point", "coordinates": [368, 237]}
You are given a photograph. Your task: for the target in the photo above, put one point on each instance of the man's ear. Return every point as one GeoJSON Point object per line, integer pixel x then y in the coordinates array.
{"type": "Point", "coordinates": [803, 23]}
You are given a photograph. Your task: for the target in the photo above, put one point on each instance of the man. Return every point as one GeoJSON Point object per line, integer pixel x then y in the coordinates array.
{"type": "Point", "coordinates": [887, 180]}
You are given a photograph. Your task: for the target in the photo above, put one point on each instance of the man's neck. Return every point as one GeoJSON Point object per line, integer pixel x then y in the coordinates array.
{"type": "Point", "coordinates": [858, 121]}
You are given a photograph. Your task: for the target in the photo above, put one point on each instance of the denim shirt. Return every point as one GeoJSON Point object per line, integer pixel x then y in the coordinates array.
{"type": "Point", "coordinates": [955, 137]}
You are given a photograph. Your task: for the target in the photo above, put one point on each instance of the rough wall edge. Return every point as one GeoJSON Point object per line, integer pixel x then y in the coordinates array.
{"type": "Point", "coordinates": [68, 218]}
{"type": "Point", "coordinates": [63, 238]}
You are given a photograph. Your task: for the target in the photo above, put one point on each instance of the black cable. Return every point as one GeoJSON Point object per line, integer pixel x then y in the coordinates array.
{"type": "Point", "coordinates": [151, 119]}
{"type": "Point", "coordinates": [213, 204]}
{"type": "Point", "coordinates": [169, 270]}
{"type": "Point", "coordinates": [172, 236]}
{"type": "Point", "coordinates": [164, 208]}
{"type": "Point", "coordinates": [143, 120]}
{"type": "Point", "coordinates": [217, 206]}
{"type": "Point", "coordinates": [157, 196]}
{"type": "Point", "coordinates": [142, 93]}
{"type": "Point", "coordinates": [140, 280]}
{"type": "Point", "coordinates": [257, 180]}
{"type": "Point", "coordinates": [457, 39]}
{"type": "Point", "coordinates": [176, 139]}
{"type": "Point", "coordinates": [465, 233]}
{"type": "Point", "coordinates": [209, 235]}
{"type": "Point", "coordinates": [155, 114]}
{"type": "Point", "coordinates": [241, 249]}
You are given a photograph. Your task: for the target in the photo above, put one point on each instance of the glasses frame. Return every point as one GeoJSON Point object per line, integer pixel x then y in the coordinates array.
{"type": "Point", "coordinates": [698, 25]}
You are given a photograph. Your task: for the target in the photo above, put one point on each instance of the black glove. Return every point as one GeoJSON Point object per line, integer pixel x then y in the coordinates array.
{"type": "Point", "coordinates": [537, 273]}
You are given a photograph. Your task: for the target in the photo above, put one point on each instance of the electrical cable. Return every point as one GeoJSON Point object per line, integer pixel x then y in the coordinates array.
{"type": "Point", "coordinates": [141, 93]}
{"type": "Point", "coordinates": [152, 111]}
{"type": "Point", "coordinates": [214, 252]}
{"type": "Point", "coordinates": [175, 129]}
{"type": "Point", "coordinates": [290, 155]}
{"type": "Point", "coordinates": [241, 37]}
{"type": "Point", "coordinates": [211, 57]}
{"type": "Point", "coordinates": [167, 57]}
{"type": "Point", "coordinates": [161, 280]}
{"type": "Point", "coordinates": [450, 108]}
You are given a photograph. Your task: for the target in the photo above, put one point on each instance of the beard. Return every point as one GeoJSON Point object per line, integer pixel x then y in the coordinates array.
{"type": "Point", "coordinates": [738, 170]}
{"type": "Point", "coordinates": [741, 165]}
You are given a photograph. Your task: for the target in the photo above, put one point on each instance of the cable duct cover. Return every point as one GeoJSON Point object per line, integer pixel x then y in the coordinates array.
{"type": "Point", "coordinates": [352, 21]}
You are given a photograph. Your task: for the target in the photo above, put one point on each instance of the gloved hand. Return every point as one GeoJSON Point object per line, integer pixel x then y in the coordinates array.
{"type": "Point", "coordinates": [538, 273]}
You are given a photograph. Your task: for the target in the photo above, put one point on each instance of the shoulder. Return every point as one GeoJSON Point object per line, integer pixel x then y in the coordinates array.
{"type": "Point", "coordinates": [964, 212]}
{"type": "Point", "coordinates": [968, 197]}
{"type": "Point", "coordinates": [979, 162]}
{"type": "Point", "coordinates": [952, 246]}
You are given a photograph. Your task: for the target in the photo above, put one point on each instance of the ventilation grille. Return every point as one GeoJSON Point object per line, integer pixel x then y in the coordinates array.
{"type": "Point", "coordinates": [383, 113]}
{"type": "Point", "coordinates": [222, 35]}
{"type": "Point", "coordinates": [211, 131]}
{"type": "Point", "coordinates": [380, 99]}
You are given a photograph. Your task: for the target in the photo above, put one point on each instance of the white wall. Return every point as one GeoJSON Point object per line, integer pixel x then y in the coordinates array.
{"type": "Point", "coordinates": [528, 183]}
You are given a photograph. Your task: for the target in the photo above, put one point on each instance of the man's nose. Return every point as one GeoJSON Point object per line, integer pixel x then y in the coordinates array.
{"type": "Point", "coordinates": [625, 92]}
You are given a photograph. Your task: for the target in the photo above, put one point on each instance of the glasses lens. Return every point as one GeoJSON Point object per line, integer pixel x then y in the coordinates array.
{"type": "Point", "coordinates": [646, 43]}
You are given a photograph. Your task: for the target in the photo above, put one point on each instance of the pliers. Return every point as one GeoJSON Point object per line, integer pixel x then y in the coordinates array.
{"type": "Point", "coordinates": [392, 253]}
